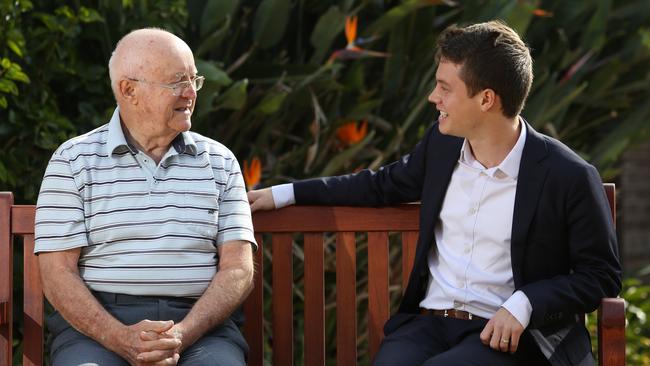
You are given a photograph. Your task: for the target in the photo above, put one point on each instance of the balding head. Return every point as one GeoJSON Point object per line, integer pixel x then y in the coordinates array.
{"type": "Point", "coordinates": [140, 51]}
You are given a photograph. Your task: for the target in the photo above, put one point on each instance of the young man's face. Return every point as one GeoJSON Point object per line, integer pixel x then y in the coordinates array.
{"type": "Point", "coordinates": [459, 113]}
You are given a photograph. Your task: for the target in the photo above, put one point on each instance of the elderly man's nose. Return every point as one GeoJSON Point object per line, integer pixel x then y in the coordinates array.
{"type": "Point", "coordinates": [189, 92]}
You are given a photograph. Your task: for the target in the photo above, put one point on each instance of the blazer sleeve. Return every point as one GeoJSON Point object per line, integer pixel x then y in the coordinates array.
{"type": "Point", "coordinates": [595, 270]}
{"type": "Point", "coordinates": [398, 182]}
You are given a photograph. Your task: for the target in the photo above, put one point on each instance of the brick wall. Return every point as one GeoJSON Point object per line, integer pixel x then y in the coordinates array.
{"type": "Point", "coordinates": [634, 209]}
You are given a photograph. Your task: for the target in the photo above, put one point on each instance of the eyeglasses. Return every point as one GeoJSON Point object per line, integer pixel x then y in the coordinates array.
{"type": "Point", "coordinates": [178, 87]}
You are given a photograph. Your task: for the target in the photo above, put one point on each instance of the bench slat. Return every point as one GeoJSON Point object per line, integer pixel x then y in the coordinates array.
{"type": "Point", "coordinates": [282, 268]}
{"type": "Point", "coordinates": [254, 310]}
{"type": "Point", "coordinates": [346, 299]}
{"type": "Point", "coordinates": [378, 283]}
{"type": "Point", "coordinates": [33, 313]}
{"type": "Point", "coordinates": [314, 325]}
{"type": "Point", "coordinates": [22, 219]}
{"type": "Point", "coordinates": [409, 244]}
{"type": "Point", "coordinates": [324, 219]}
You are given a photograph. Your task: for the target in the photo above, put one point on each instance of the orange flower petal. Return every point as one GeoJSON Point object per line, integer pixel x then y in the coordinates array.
{"type": "Point", "coordinates": [351, 29]}
{"type": "Point", "coordinates": [542, 13]}
{"type": "Point", "coordinates": [252, 172]}
{"type": "Point", "coordinates": [350, 133]}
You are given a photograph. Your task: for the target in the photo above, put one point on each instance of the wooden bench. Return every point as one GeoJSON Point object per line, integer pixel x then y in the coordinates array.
{"type": "Point", "coordinates": [321, 231]}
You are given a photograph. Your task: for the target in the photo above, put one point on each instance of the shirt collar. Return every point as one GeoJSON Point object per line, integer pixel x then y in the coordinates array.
{"type": "Point", "coordinates": [184, 143]}
{"type": "Point", "coordinates": [116, 142]}
{"type": "Point", "coordinates": [509, 166]}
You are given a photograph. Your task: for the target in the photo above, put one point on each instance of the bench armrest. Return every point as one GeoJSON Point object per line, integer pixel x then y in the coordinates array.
{"type": "Point", "coordinates": [4, 312]}
{"type": "Point", "coordinates": [611, 332]}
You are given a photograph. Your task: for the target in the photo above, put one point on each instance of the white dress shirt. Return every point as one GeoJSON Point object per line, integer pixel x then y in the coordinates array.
{"type": "Point", "coordinates": [471, 269]}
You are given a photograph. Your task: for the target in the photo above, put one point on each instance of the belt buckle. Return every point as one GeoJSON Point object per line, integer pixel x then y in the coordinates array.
{"type": "Point", "coordinates": [445, 313]}
{"type": "Point", "coordinates": [469, 316]}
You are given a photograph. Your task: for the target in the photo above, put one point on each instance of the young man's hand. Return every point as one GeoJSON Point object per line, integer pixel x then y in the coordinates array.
{"type": "Point", "coordinates": [261, 199]}
{"type": "Point", "coordinates": [502, 332]}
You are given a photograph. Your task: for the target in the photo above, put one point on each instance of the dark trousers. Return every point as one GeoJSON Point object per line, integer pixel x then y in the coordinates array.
{"type": "Point", "coordinates": [223, 345]}
{"type": "Point", "coordinates": [430, 340]}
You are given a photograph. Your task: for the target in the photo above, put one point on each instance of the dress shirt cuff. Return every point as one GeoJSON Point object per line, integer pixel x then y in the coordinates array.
{"type": "Point", "coordinates": [283, 195]}
{"type": "Point", "coordinates": [519, 306]}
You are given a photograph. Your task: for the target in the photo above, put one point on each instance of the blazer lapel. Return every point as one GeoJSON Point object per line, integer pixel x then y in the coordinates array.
{"type": "Point", "coordinates": [440, 166]}
{"type": "Point", "coordinates": [530, 181]}
{"type": "Point", "coordinates": [441, 158]}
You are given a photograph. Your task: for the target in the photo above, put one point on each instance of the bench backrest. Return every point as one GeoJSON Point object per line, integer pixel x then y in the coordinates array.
{"type": "Point", "coordinates": [284, 235]}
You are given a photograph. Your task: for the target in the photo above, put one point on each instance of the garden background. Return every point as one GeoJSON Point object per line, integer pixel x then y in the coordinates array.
{"type": "Point", "coordinates": [303, 88]}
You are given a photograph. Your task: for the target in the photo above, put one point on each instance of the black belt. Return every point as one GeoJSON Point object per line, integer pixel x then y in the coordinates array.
{"type": "Point", "coordinates": [113, 298]}
{"type": "Point", "coordinates": [451, 313]}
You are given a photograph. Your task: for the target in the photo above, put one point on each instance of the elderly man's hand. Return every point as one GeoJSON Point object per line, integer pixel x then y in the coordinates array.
{"type": "Point", "coordinates": [261, 199]}
{"type": "Point", "coordinates": [178, 331]}
{"type": "Point", "coordinates": [502, 332]}
{"type": "Point", "coordinates": [139, 348]}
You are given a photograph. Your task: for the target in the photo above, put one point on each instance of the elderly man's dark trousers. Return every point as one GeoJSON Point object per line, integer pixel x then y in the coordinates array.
{"type": "Point", "coordinates": [223, 345]}
{"type": "Point", "coordinates": [428, 340]}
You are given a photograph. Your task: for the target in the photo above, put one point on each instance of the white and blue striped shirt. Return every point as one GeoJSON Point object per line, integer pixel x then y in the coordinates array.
{"type": "Point", "coordinates": [143, 229]}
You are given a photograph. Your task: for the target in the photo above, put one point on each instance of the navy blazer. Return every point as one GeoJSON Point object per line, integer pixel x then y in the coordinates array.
{"type": "Point", "coordinates": [563, 245]}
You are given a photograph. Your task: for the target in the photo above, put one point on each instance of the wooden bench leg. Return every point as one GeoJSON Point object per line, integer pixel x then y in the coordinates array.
{"type": "Point", "coordinates": [611, 332]}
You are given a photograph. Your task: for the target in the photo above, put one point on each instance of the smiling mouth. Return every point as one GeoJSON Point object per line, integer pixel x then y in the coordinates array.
{"type": "Point", "coordinates": [443, 114]}
{"type": "Point", "coordinates": [183, 109]}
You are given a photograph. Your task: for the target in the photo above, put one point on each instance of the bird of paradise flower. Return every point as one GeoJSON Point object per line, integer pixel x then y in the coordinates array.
{"type": "Point", "coordinates": [350, 133]}
{"type": "Point", "coordinates": [352, 50]}
{"type": "Point", "coordinates": [252, 172]}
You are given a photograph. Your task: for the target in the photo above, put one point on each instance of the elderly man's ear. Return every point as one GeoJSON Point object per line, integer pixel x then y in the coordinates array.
{"type": "Point", "coordinates": [127, 91]}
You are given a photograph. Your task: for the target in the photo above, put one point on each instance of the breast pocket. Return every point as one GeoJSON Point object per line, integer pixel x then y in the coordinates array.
{"type": "Point", "coordinates": [202, 213]}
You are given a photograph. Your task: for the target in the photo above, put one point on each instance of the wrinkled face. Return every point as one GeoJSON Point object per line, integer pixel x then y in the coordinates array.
{"type": "Point", "coordinates": [459, 113]}
{"type": "Point", "coordinates": [162, 111]}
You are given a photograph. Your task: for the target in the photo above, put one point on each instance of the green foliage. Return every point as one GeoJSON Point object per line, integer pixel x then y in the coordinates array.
{"type": "Point", "coordinates": [274, 88]}
{"type": "Point", "coordinates": [637, 327]}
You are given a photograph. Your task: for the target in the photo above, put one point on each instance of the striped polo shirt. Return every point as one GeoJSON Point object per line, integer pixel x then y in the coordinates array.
{"type": "Point", "coordinates": [143, 229]}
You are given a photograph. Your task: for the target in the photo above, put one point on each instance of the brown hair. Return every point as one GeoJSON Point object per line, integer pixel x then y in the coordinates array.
{"type": "Point", "coordinates": [492, 56]}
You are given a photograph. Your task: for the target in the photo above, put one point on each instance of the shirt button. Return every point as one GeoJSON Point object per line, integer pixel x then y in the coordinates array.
{"type": "Point", "coordinates": [467, 249]}
{"type": "Point", "coordinates": [472, 210]}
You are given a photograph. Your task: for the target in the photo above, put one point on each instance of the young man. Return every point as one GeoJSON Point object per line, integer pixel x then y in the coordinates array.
{"type": "Point", "coordinates": [143, 228]}
{"type": "Point", "coordinates": [516, 238]}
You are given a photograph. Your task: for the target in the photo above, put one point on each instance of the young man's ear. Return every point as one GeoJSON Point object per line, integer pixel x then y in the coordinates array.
{"type": "Point", "coordinates": [488, 99]}
{"type": "Point", "coordinates": [126, 88]}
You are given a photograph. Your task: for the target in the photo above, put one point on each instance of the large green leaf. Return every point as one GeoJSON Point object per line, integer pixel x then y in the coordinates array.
{"type": "Point", "coordinates": [395, 15]}
{"type": "Point", "coordinates": [215, 12]}
{"type": "Point", "coordinates": [329, 25]}
{"type": "Point", "coordinates": [520, 15]}
{"type": "Point", "coordinates": [595, 34]}
{"type": "Point", "coordinates": [214, 39]}
{"type": "Point", "coordinates": [339, 160]}
{"type": "Point", "coordinates": [272, 102]}
{"type": "Point", "coordinates": [212, 72]}
{"type": "Point", "coordinates": [271, 20]}
{"type": "Point", "coordinates": [235, 97]}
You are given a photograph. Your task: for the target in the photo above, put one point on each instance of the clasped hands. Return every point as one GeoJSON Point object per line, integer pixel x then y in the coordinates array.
{"type": "Point", "coordinates": [154, 343]}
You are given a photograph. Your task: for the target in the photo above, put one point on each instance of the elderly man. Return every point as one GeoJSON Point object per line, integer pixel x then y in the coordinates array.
{"type": "Point", "coordinates": [143, 229]}
{"type": "Point", "coordinates": [516, 238]}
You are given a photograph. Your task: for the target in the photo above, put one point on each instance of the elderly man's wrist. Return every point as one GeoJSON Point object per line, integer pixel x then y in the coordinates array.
{"type": "Point", "coordinates": [113, 338]}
